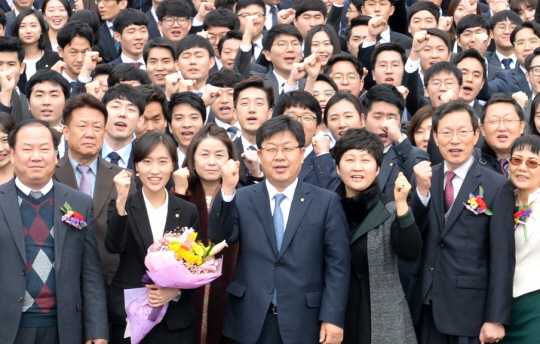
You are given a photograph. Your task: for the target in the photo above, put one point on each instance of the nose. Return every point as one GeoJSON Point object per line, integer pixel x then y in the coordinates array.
{"type": "Point", "coordinates": [341, 123]}
{"type": "Point", "coordinates": [193, 59]}
{"type": "Point", "coordinates": [150, 126]}
{"type": "Point", "coordinates": [468, 77]}
{"type": "Point", "coordinates": [47, 99]}
{"type": "Point", "coordinates": [36, 155]}
{"type": "Point", "coordinates": [155, 167]}
{"type": "Point", "coordinates": [251, 107]}
{"type": "Point", "coordinates": [357, 165]}
{"type": "Point", "coordinates": [426, 136]}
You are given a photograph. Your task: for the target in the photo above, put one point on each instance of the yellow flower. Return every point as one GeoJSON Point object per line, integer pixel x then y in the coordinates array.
{"type": "Point", "coordinates": [198, 249]}
{"type": "Point", "coordinates": [193, 236]}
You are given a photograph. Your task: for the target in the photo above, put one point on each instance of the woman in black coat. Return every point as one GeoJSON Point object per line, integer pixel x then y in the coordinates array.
{"type": "Point", "coordinates": [135, 222]}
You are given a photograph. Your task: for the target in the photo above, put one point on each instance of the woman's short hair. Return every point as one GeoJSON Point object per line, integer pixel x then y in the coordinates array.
{"type": "Point", "coordinates": [149, 141]}
{"type": "Point", "coordinates": [359, 139]}
{"type": "Point", "coordinates": [420, 116]}
{"type": "Point", "coordinates": [7, 122]}
{"type": "Point", "coordinates": [527, 142]}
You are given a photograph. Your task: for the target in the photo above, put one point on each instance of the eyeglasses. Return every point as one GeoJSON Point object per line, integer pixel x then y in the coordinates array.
{"type": "Point", "coordinates": [274, 150]}
{"type": "Point", "coordinates": [327, 93]}
{"type": "Point", "coordinates": [506, 122]}
{"type": "Point", "coordinates": [104, 1]}
{"type": "Point", "coordinates": [532, 164]}
{"type": "Point", "coordinates": [535, 70]}
{"type": "Point", "coordinates": [245, 15]}
{"type": "Point", "coordinates": [532, 42]}
{"type": "Point", "coordinates": [213, 39]}
{"type": "Point", "coordinates": [502, 27]}
{"type": "Point", "coordinates": [284, 44]}
{"type": "Point", "coordinates": [170, 21]}
{"type": "Point", "coordinates": [351, 78]}
{"type": "Point", "coordinates": [438, 83]}
{"type": "Point", "coordinates": [447, 134]}
{"type": "Point", "coordinates": [306, 119]}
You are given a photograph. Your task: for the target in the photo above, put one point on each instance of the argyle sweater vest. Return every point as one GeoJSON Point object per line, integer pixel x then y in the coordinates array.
{"type": "Point", "coordinates": [39, 307]}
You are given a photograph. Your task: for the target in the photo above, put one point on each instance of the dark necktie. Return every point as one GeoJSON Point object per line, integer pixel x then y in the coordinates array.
{"type": "Point", "coordinates": [251, 148]}
{"type": "Point", "coordinates": [72, 85]}
{"type": "Point", "coordinates": [506, 63]}
{"type": "Point", "coordinates": [273, 13]}
{"type": "Point", "coordinates": [449, 191]}
{"type": "Point", "coordinates": [115, 157]}
{"type": "Point", "coordinates": [279, 228]}
{"type": "Point", "coordinates": [199, 94]}
{"type": "Point", "coordinates": [232, 130]}
{"type": "Point", "coordinates": [36, 194]}
{"type": "Point", "coordinates": [136, 64]}
{"type": "Point", "coordinates": [504, 166]}
{"type": "Point", "coordinates": [84, 185]}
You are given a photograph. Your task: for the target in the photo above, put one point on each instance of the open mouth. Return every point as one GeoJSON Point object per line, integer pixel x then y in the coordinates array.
{"type": "Point", "coordinates": [252, 120]}
{"type": "Point", "coordinates": [389, 81]}
{"type": "Point", "coordinates": [502, 138]}
{"type": "Point", "coordinates": [225, 110]}
{"type": "Point", "coordinates": [280, 168]}
{"type": "Point", "coordinates": [138, 45]}
{"type": "Point", "coordinates": [357, 178]}
{"type": "Point", "coordinates": [289, 60]}
{"type": "Point", "coordinates": [455, 151]}
{"type": "Point", "coordinates": [120, 125]}
{"type": "Point", "coordinates": [187, 135]}
{"type": "Point", "coordinates": [383, 137]}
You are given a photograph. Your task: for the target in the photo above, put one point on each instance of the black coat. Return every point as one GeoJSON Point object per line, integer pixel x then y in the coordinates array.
{"type": "Point", "coordinates": [48, 60]}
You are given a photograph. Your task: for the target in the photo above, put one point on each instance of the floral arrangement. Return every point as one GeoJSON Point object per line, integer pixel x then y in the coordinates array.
{"type": "Point", "coordinates": [476, 204]}
{"type": "Point", "coordinates": [521, 216]}
{"type": "Point", "coordinates": [71, 217]}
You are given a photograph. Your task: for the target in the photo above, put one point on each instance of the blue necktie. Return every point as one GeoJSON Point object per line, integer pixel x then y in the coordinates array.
{"type": "Point", "coordinates": [506, 62]}
{"type": "Point", "coordinates": [72, 85]}
{"type": "Point", "coordinates": [273, 13]}
{"type": "Point", "coordinates": [232, 130]}
{"type": "Point", "coordinates": [115, 157]}
{"type": "Point", "coordinates": [279, 228]}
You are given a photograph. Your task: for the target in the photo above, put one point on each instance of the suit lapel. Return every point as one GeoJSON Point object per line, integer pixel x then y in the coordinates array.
{"type": "Point", "coordinates": [174, 214]}
{"type": "Point", "coordinates": [388, 164]}
{"type": "Point", "coordinates": [271, 79]}
{"type": "Point", "coordinates": [60, 228]}
{"type": "Point", "coordinates": [104, 186]}
{"type": "Point", "coordinates": [306, 167]}
{"type": "Point", "coordinates": [140, 215]}
{"type": "Point", "coordinates": [437, 194]}
{"type": "Point", "coordinates": [376, 216]}
{"type": "Point", "coordinates": [12, 214]}
{"type": "Point", "coordinates": [64, 173]}
{"type": "Point", "coordinates": [259, 197]}
{"type": "Point", "coordinates": [299, 205]}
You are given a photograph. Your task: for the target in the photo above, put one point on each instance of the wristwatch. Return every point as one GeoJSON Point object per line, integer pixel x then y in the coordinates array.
{"type": "Point", "coordinates": [403, 137]}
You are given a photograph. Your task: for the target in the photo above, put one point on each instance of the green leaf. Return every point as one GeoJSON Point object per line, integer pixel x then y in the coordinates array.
{"type": "Point", "coordinates": [67, 206]}
{"type": "Point", "coordinates": [488, 212]}
{"type": "Point", "coordinates": [481, 193]}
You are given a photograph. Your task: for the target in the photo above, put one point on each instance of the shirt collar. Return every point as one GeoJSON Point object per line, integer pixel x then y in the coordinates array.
{"type": "Point", "coordinates": [154, 14]}
{"type": "Point", "coordinates": [462, 170]}
{"type": "Point", "coordinates": [109, 24]}
{"type": "Point", "coordinates": [246, 143]}
{"type": "Point", "coordinates": [68, 78]}
{"type": "Point", "coordinates": [124, 152]}
{"type": "Point", "coordinates": [181, 157]}
{"type": "Point", "coordinates": [288, 192]}
{"type": "Point", "coordinates": [387, 148]}
{"type": "Point", "coordinates": [226, 126]}
{"type": "Point", "coordinates": [280, 80]}
{"type": "Point", "coordinates": [385, 35]}
{"type": "Point", "coordinates": [26, 190]}
{"type": "Point", "coordinates": [149, 204]}
{"type": "Point", "coordinates": [127, 59]}
{"type": "Point", "coordinates": [308, 150]}
{"type": "Point", "coordinates": [501, 56]}
{"type": "Point", "coordinates": [93, 165]}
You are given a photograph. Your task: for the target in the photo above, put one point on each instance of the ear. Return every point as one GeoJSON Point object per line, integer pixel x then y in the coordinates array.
{"type": "Point", "coordinates": [392, 9]}
{"type": "Point", "coordinates": [189, 25]}
{"type": "Point", "coordinates": [212, 62]}
{"type": "Point", "coordinates": [117, 36]}
{"type": "Point", "coordinates": [476, 135]}
{"type": "Point", "coordinates": [363, 120]}
{"type": "Point", "coordinates": [267, 55]}
{"type": "Point", "coordinates": [60, 52]}
{"type": "Point", "coordinates": [159, 26]}
{"type": "Point", "coordinates": [140, 121]}
{"type": "Point", "coordinates": [482, 129]}
{"type": "Point", "coordinates": [23, 67]}
{"type": "Point", "coordinates": [378, 171]}
{"type": "Point", "coordinates": [521, 127]}
{"type": "Point", "coordinates": [270, 112]}
{"type": "Point", "coordinates": [123, 4]}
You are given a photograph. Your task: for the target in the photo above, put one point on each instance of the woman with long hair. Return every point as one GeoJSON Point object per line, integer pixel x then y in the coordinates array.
{"type": "Point", "coordinates": [56, 14]}
{"type": "Point", "coordinates": [419, 128]}
{"type": "Point", "coordinates": [322, 40]}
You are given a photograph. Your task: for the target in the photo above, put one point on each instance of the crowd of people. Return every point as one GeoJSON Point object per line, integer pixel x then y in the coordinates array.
{"type": "Point", "coordinates": [371, 164]}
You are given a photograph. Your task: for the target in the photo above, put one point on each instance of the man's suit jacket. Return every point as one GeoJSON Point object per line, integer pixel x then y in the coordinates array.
{"type": "Point", "coordinates": [403, 40]}
{"type": "Point", "coordinates": [153, 30]}
{"type": "Point", "coordinates": [310, 272]}
{"type": "Point", "coordinates": [19, 108]}
{"type": "Point", "coordinates": [492, 69]}
{"type": "Point", "coordinates": [506, 81]}
{"type": "Point", "coordinates": [493, 59]}
{"type": "Point", "coordinates": [106, 44]}
{"type": "Point", "coordinates": [11, 15]}
{"type": "Point", "coordinates": [104, 192]}
{"type": "Point", "coordinates": [4, 6]}
{"type": "Point", "coordinates": [80, 294]}
{"type": "Point", "coordinates": [320, 171]}
{"type": "Point", "coordinates": [468, 260]}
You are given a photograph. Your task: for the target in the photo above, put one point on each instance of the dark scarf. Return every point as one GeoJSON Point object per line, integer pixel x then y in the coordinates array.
{"type": "Point", "coordinates": [358, 207]}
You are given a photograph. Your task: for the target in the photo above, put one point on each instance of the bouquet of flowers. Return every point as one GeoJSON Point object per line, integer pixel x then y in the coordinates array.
{"type": "Point", "coordinates": [177, 260]}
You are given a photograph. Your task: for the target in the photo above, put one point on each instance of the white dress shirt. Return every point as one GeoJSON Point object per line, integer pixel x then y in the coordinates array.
{"type": "Point", "coordinates": [124, 153]}
{"type": "Point", "coordinates": [268, 21]}
{"type": "Point", "coordinates": [512, 57]}
{"type": "Point", "coordinates": [157, 216]}
{"type": "Point", "coordinates": [257, 47]}
{"type": "Point", "coordinates": [26, 190]}
{"type": "Point", "coordinates": [125, 59]}
{"type": "Point", "coordinates": [246, 144]}
{"type": "Point", "coordinates": [181, 157]}
{"type": "Point", "coordinates": [226, 126]}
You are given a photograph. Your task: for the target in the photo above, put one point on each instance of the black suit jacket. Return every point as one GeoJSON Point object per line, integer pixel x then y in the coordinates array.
{"type": "Point", "coordinates": [320, 171]}
{"type": "Point", "coordinates": [403, 40]}
{"type": "Point", "coordinates": [153, 30]}
{"type": "Point", "coordinates": [130, 236]}
{"type": "Point", "coordinates": [506, 81]}
{"type": "Point", "coordinates": [106, 44]}
{"type": "Point", "coordinates": [48, 60]}
{"type": "Point", "coordinates": [19, 108]}
{"type": "Point", "coordinates": [492, 58]}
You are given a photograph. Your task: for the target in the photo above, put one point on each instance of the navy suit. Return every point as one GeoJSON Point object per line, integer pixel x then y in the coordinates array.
{"type": "Point", "coordinates": [468, 260]}
{"type": "Point", "coordinates": [106, 44]}
{"type": "Point", "coordinates": [310, 273]}
{"type": "Point", "coordinates": [153, 30]}
{"type": "Point", "coordinates": [320, 171]}
{"type": "Point", "coordinates": [493, 59]}
{"type": "Point", "coordinates": [506, 81]}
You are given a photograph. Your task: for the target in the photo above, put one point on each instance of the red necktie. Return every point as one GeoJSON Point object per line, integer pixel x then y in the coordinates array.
{"type": "Point", "coordinates": [449, 191]}
{"type": "Point", "coordinates": [137, 64]}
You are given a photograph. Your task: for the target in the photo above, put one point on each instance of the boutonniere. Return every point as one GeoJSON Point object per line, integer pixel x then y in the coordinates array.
{"type": "Point", "coordinates": [521, 216]}
{"type": "Point", "coordinates": [476, 204]}
{"type": "Point", "coordinates": [71, 217]}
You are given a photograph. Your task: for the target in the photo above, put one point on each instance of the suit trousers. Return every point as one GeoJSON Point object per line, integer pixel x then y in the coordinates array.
{"type": "Point", "coordinates": [37, 335]}
{"type": "Point", "coordinates": [270, 331]}
{"type": "Point", "coordinates": [427, 332]}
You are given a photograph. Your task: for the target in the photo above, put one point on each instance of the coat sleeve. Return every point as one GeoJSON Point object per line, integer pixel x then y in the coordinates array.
{"type": "Point", "coordinates": [222, 222]}
{"type": "Point", "coordinates": [115, 240]}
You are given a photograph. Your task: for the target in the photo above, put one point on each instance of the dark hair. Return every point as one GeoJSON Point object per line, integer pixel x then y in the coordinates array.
{"type": "Point", "coordinates": [300, 99]}
{"type": "Point", "coordinates": [175, 8]}
{"type": "Point", "coordinates": [281, 124]}
{"type": "Point", "coordinates": [7, 122]}
{"type": "Point", "coordinates": [128, 17]}
{"type": "Point", "coordinates": [64, 3]}
{"type": "Point", "coordinates": [502, 16]}
{"type": "Point", "coordinates": [209, 130]}
{"type": "Point", "coordinates": [228, 4]}
{"type": "Point", "coordinates": [89, 17]}
{"type": "Point", "coordinates": [420, 6]}
{"type": "Point", "coordinates": [221, 17]}
{"type": "Point", "coordinates": [442, 35]}
{"type": "Point", "coordinates": [278, 30]}
{"type": "Point", "coordinates": [383, 93]}
{"type": "Point", "coordinates": [245, 3]}
{"type": "Point", "coordinates": [332, 35]}
{"type": "Point", "coordinates": [12, 137]}
{"type": "Point", "coordinates": [420, 116]}
{"type": "Point", "coordinates": [327, 79]}
{"type": "Point", "coordinates": [361, 20]}
{"type": "Point", "coordinates": [194, 41]}
{"type": "Point", "coordinates": [83, 100]}
{"type": "Point", "coordinates": [498, 98]}
{"type": "Point", "coordinates": [125, 92]}
{"type": "Point", "coordinates": [153, 94]}
{"type": "Point", "coordinates": [233, 34]}
{"type": "Point", "coordinates": [12, 45]}
{"type": "Point", "coordinates": [451, 107]}
{"type": "Point", "coordinates": [451, 9]}
{"type": "Point", "coordinates": [188, 98]}
{"type": "Point", "coordinates": [359, 139]}
{"type": "Point", "coordinates": [470, 21]}
{"type": "Point", "coordinates": [149, 141]}
{"type": "Point", "coordinates": [127, 72]}
{"type": "Point", "coordinates": [357, 3]}
{"type": "Point", "coordinates": [225, 78]}
{"type": "Point", "coordinates": [515, 5]}
{"type": "Point", "coordinates": [530, 58]}
{"type": "Point", "coordinates": [525, 25]}
{"type": "Point", "coordinates": [530, 142]}
{"type": "Point", "coordinates": [159, 42]}
{"type": "Point", "coordinates": [74, 29]}
{"type": "Point", "coordinates": [42, 44]}
{"type": "Point", "coordinates": [102, 69]}
{"type": "Point", "coordinates": [473, 54]}
{"type": "Point", "coordinates": [339, 96]}
{"type": "Point", "coordinates": [47, 75]}
{"type": "Point", "coordinates": [442, 67]}
{"type": "Point", "coordinates": [254, 82]}
{"type": "Point", "coordinates": [302, 6]}
{"type": "Point", "coordinates": [344, 57]}
{"type": "Point", "coordinates": [532, 125]}
{"type": "Point", "coordinates": [398, 48]}
{"type": "Point", "coordinates": [3, 19]}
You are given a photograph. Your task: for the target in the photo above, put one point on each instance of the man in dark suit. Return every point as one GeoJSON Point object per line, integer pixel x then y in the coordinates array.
{"type": "Point", "coordinates": [255, 10]}
{"type": "Point", "coordinates": [83, 169]}
{"type": "Point", "coordinates": [75, 37]}
{"type": "Point", "coordinates": [109, 48]}
{"type": "Point", "coordinates": [308, 238]}
{"type": "Point", "coordinates": [159, 57]}
{"type": "Point", "coordinates": [501, 26]}
{"type": "Point", "coordinates": [153, 30]}
{"type": "Point", "coordinates": [18, 7]}
{"type": "Point", "coordinates": [381, 12]}
{"type": "Point", "coordinates": [52, 290]}
{"type": "Point", "coordinates": [461, 288]}
{"type": "Point", "coordinates": [131, 31]}
{"type": "Point", "coordinates": [473, 70]}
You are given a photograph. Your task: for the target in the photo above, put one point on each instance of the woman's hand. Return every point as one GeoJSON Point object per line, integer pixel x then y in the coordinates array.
{"type": "Point", "coordinates": [180, 178]}
{"type": "Point", "coordinates": [401, 191]}
{"type": "Point", "coordinates": [122, 181]}
{"type": "Point", "coordinates": [158, 296]}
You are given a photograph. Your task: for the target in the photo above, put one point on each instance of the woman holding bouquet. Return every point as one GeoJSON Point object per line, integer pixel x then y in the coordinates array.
{"type": "Point", "coordinates": [135, 222]}
{"type": "Point", "coordinates": [525, 175]}
{"type": "Point", "coordinates": [197, 182]}
{"type": "Point", "coordinates": [381, 230]}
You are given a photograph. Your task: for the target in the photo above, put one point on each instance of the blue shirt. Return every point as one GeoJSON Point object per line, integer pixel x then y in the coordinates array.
{"type": "Point", "coordinates": [92, 173]}
{"type": "Point", "coordinates": [124, 153]}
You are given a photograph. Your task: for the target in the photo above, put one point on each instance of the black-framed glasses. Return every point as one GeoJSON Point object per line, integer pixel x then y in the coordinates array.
{"type": "Point", "coordinates": [532, 164]}
{"type": "Point", "coordinates": [170, 21]}
{"type": "Point", "coordinates": [535, 70]}
{"type": "Point", "coordinates": [306, 119]}
{"type": "Point", "coordinates": [327, 93]}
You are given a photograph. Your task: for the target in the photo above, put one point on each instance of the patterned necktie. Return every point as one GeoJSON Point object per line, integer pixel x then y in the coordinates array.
{"type": "Point", "coordinates": [449, 191]}
{"type": "Point", "coordinates": [136, 64]}
{"type": "Point", "coordinates": [504, 166]}
{"type": "Point", "coordinates": [85, 186]}
{"type": "Point", "coordinates": [36, 194]}
{"type": "Point", "coordinates": [273, 13]}
{"type": "Point", "coordinates": [279, 228]}
{"type": "Point", "coordinates": [115, 157]}
{"type": "Point", "coordinates": [506, 63]}
{"type": "Point", "coordinates": [232, 130]}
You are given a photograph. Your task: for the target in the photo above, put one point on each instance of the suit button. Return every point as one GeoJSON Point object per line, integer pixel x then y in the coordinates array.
{"type": "Point", "coordinates": [20, 299]}
{"type": "Point", "coordinates": [24, 273]}
{"type": "Point", "coordinates": [270, 291]}
{"type": "Point", "coordinates": [278, 265]}
{"type": "Point", "coordinates": [441, 246]}
{"type": "Point", "coordinates": [431, 269]}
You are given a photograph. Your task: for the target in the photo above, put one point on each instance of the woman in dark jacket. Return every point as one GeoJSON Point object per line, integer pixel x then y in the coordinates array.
{"type": "Point", "coordinates": [135, 222]}
{"type": "Point", "coordinates": [381, 231]}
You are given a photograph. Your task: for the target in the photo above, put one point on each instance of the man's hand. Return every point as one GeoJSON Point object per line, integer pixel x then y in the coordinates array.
{"type": "Point", "coordinates": [445, 23]}
{"type": "Point", "coordinates": [158, 296]}
{"type": "Point", "coordinates": [330, 333]}
{"type": "Point", "coordinates": [251, 160]}
{"type": "Point", "coordinates": [95, 88]}
{"type": "Point", "coordinates": [186, 85]}
{"type": "Point", "coordinates": [252, 25]}
{"type": "Point", "coordinates": [423, 173]}
{"type": "Point", "coordinates": [491, 333]}
{"type": "Point", "coordinates": [480, 40]}
{"type": "Point", "coordinates": [180, 178]}
{"type": "Point", "coordinates": [448, 96]}
{"type": "Point", "coordinates": [521, 98]}
{"type": "Point", "coordinates": [210, 94]}
{"type": "Point", "coordinates": [122, 182]}
{"type": "Point", "coordinates": [404, 91]}
{"type": "Point", "coordinates": [376, 26]}
{"type": "Point", "coordinates": [497, 5]}
{"type": "Point", "coordinates": [297, 72]}
{"type": "Point", "coordinates": [312, 65]}
{"type": "Point", "coordinates": [91, 59]}
{"type": "Point", "coordinates": [7, 84]}
{"type": "Point", "coordinates": [285, 16]}
{"type": "Point", "coordinates": [96, 341]}
{"type": "Point", "coordinates": [59, 66]}
{"type": "Point", "coordinates": [391, 128]}
{"type": "Point", "coordinates": [321, 144]}
{"type": "Point", "coordinates": [420, 40]}
{"type": "Point", "coordinates": [172, 82]}
{"type": "Point", "coordinates": [230, 177]}
{"type": "Point", "coordinates": [204, 9]}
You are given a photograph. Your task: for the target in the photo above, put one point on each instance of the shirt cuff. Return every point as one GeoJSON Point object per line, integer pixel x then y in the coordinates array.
{"type": "Point", "coordinates": [412, 66]}
{"type": "Point", "coordinates": [368, 44]}
{"type": "Point", "coordinates": [423, 199]}
{"type": "Point", "coordinates": [227, 198]}
{"type": "Point", "coordinates": [287, 88]}
{"type": "Point", "coordinates": [196, 22]}
{"type": "Point", "coordinates": [338, 5]}
{"type": "Point", "coordinates": [245, 48]}
{"type": "Point", "coordinates": [85, 80]}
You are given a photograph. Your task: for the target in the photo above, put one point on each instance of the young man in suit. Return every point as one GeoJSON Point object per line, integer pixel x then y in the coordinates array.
{"type": "Point", "coordinates": [270, 307]}
{"type": "Point", "coordinates": [174, 19]}
{"type": "Point", "coordinates": [109, 48]}
{"type": "Point", "coordinates": [196, 58]}
{"type": "Point", "coordinates": [443, 82]}
{"type": "Point", "coordinates": [217, 23]}
{"type": "Point", "coordinates": [151, 14]}
{"type": "Point", "coordinates": [125, 106]}
{"type": "Point", "coordinates": [131, 31]}
{"type": "Point", "coordinates": [154, 111]}
{"type": "Point", "coordinates": [461, 288]}
{"type": "Point", "coordinates": [228, 47]}
{"type": "Point", "coordinates": [501, 26]}
{"type": "Point", "coordinates": [473, 71]}
{"type": "Point", "coordinates": [347, 72]}
{"type": "Point", "coordinates": [54, 291]}
{"type": "Point", "coordinates": [18, 6]}
{"type": "Point", "coordinates": [257, 10]}
{"type": "Point", "coordinates": [47, 93]}
{"type": "Point", "coordinates": [423, 15]}
{"type": "Point", "coordinates": [381, 10]}
{"type": "Point", "coordinates": [355, 34]}
{"type": "Point", "coordinates": [159, 58]}
{"type": "Point", "coordinates": [307, 14]}
{"type": "Point", "coordinates": [74, 42]}
{"type": "Point", "coordinates": [83, 169]}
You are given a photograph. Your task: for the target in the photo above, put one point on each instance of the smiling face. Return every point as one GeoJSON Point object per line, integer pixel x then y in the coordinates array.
{"type": "Point", "coordinates": [388, 68]}
{"type": "Point", "coordinates": [435, 51]}
{"type": "Point", "coordinates": [73, 55]}
{"type": "Point", "coordinates": [525, 42]}
{"type": "Point", "coordinates": [155, 170]}
{"type": "Point", "coordinates": [30, 30]}
{"type": "Point", "coordinates": [501, 34]}
{"type": "Point", "coordinates": [476, 37]}
{"type": "Point", "coordinates": [525, 178]}
{"type": "Point", "coordinates": [211, 154]}
{"type": "Point", "coordinates": [55, 15]}
{"type": "Point", "coordinates": [228, 53]}
{"type": "Point", "coordinates": [282, 58]}
{"type": "Point", "coordinates": [159, 64]}
{"type": "Point", "coordinates": [381, 111]}
{"type": "Point", "coordinates": [252, 109]}
{"type": "Point", "coordinates": [174, 28]}
{"type": "Point", "coordinates": [223, 107]}
{"type": "Point", "coordinates": [500, 136]}
{"type": "Point", "coordinates": [123, 120]}
{"type": "Point", "coordinates": [132, 40]}
{"type": "Point", "coordinates": [85, 132]}
{"type": "Point", "coordinates": [343, 116]}
{"type": "Point", "coordinates": [322, 46]}
{"type": "Point", "coordinates": [358, 170]}
{"type": "Point", "coordinates": [195, 63]}
{"type": "Point", "coordinates": [185, 123]}
{"type": "Point", "coordinates": [473, 78]}
{"type": "Point", "coordinates": [46, 102]}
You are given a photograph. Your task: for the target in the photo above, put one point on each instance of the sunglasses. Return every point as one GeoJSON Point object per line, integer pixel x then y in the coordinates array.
{"type": "Point", "coordinates": [532, 164]}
